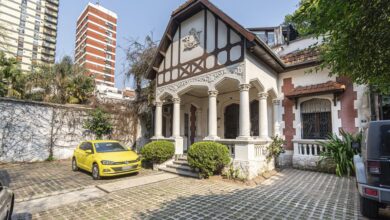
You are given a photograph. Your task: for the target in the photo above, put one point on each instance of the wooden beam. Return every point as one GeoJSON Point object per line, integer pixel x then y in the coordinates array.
{"type": "Point", "coordinates": [162, 53]}
{"type": "Point", "coordinates": [155, 69]}
{"type": "Point", "coordinates": [169, 37]}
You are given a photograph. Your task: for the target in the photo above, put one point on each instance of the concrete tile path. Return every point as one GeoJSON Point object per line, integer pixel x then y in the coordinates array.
{"type": "Point", "coordinates": [292, 194]}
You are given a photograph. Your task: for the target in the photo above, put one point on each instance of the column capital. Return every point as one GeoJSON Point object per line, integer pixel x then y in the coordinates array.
{"type": "Point", "coordinates": [262, 95]}
{"type": "Point", "coordinates": [176, 100]}
{"type": "Point", "coordinates": [276, 101]}
{"type": "Point", "coordinates": [213, 93]}
{"type": "Point", "coordinates": [159, 104]}
{"type": "Point", "coordinates": [244, 87]}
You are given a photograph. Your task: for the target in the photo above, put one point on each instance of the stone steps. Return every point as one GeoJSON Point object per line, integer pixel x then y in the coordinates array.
{"type": "Point", "coordinates": [180, 166]}
{"type": "Point", "coordinates": [180, 171]}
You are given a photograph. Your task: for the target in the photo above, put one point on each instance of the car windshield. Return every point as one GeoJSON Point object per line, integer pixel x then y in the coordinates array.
{"type": "Point", "coordinates": [109, 147]}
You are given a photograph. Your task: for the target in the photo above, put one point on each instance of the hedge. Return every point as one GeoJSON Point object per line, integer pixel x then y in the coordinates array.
{"type": "Point", "coordinates": [158, 151]}
{"type": "Point", "coordinates": [209, 157]}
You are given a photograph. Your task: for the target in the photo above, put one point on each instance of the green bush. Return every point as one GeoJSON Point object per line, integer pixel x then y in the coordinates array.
{"type": "Point", "coordinates": [209, 157]}
{"type": "Point", "coordinates": [158, 151]}
{"type": "Point", "coordinates": [340, 152]}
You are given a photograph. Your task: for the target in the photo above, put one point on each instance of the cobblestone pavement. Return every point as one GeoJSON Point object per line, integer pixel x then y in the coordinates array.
{"type": "Point", "coordinates": [292, 194]}
{"type": "Point", "coordinates": [35, 180]}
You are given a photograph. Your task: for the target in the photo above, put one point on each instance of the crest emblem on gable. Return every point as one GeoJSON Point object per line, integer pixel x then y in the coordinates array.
{"type": "Point", "coordinates": [192, 40]}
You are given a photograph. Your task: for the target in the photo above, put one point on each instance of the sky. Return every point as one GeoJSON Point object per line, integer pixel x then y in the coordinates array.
{"type": "Point", "coordinates": [138, 18]}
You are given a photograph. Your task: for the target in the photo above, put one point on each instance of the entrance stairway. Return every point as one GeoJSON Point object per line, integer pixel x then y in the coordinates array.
{"type": "Point", "coordinates": [180, 166]}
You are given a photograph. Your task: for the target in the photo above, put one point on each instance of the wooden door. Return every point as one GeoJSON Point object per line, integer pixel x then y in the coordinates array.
{"type": "Point", "coordinates": [232, 121]}
{"type": "Point", "coordinates": [192, 124]}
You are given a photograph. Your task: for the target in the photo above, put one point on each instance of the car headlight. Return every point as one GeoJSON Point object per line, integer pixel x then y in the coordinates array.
{"type": "Point", "coordinates": [138, 159]}
{"type": "Point", "coordinates": [107, 162]}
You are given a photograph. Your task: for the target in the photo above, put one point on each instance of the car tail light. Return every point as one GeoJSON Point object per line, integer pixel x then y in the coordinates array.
{"type": "Point", "coordinates": [374, 167]}
{"type": "Point", "coordinates": [371, 192]}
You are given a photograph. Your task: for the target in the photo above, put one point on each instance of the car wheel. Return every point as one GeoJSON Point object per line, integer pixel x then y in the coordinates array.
{"type": "Point", "coordinates": [95, 172]}
{"type": "Point", "coordinates": [369, 208]}
{"type": "Point", "coordinates": [74, 165]}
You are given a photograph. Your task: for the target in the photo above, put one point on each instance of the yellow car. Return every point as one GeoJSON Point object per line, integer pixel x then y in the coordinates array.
{"type": "Point", "coordinates": [105, 158]}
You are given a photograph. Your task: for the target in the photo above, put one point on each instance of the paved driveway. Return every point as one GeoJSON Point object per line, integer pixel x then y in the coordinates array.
{"type": "Point", "coordinates": [292, 194]}
{"type": "Point", "coordinates": [35, 180]}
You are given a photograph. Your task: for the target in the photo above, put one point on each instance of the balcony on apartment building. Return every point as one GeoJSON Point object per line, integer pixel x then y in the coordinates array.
{"type": "Point", "coordinates": [52, 13]}
{"type": "Point", "coordinates": [49, 32]}
{"type": "Point", "coordinates": [51, 26]}
{"type": "Point", "coordinates": [56, 2]}
{"type": "Point", "coordinates": [52, 6]}
{"type": "Point", "coordinates": [49, 45]}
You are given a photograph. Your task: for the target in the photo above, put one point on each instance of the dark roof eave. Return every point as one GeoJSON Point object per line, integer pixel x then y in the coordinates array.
{"type": "Point", "coordinates": [293, 96]}
{"type": "Point", "coordinates": [302, 65]}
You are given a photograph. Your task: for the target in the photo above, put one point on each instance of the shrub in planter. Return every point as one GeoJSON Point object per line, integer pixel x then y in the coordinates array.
{"type": "Point", "coordinates": [209, 157]}
{"type": "Point", "coordinates": [157, 152]}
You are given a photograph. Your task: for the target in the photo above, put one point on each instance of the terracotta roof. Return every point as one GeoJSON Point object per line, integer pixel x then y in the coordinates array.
{"type": "Point", "coordinates": [301, 56]}
{"type": "Point", "coordinates": [322, 88]}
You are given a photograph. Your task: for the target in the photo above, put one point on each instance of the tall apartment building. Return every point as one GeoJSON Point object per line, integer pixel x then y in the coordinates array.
{"type": "Point", "coordinates": [30, 28]}
{"type": "Point", "coordinates": [96, 43]}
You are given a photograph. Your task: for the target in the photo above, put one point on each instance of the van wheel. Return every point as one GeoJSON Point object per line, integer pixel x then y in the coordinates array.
{"type": "Point", "coordinates": [369, 208]}
{"type": "Point", "coordinates": [95, 172]}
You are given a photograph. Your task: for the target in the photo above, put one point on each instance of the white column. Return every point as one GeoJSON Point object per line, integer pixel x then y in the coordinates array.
{"type": "Point", "coordinates": [158, 121]}
{"type": "Point", "coordinates": [176, 118]}
{"type": "Point", "coordinates": [212, 115]}
{"type": "Point", "coordinates": [198, 122]}
{"type": "Point", "coordinates": [276, 104]}
{"type": "Point", "coordinates": [245, 128]}
{"type": "Point", "coordinates": [263, 115]}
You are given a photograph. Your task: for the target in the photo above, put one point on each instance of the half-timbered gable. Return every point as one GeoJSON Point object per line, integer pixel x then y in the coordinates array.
{"type": "Point", "coordinates": [200, 44]}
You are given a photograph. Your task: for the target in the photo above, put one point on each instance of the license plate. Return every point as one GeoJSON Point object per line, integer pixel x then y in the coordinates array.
{"type": "Point", "coordinates": [129, 167]}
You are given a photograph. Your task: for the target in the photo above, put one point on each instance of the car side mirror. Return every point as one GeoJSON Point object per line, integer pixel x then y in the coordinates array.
{"type": "Point", "coordinates": [356, 146]}
{"type": "Point", "coordinates": [89, 151]}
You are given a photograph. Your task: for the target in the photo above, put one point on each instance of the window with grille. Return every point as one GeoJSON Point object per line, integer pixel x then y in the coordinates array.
{"type": "Point", "coordinates": [316, 119]}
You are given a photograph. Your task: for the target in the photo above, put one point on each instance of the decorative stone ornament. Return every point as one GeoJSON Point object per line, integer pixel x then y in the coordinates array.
{"type": "Point", "coordinates": [213, 93]}
{"type": "Point", "coordinates": [262, 95]}
{"type": "Point", "coordinates": [245, 87]}
{"type": "Point", "coordinates": [192, 40]}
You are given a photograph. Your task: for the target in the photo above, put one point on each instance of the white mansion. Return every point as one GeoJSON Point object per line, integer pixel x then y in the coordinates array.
{"type": "Point", "coordinates": [218, 81]}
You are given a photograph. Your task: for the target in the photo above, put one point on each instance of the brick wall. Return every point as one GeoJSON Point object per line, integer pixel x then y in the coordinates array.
{"type": "Point", "coordinates": [348, 112]}
{"type": "Point", "coordinates": [288, 116]}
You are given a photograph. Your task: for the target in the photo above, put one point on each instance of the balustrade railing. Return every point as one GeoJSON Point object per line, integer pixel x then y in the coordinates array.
{"type": "Point", "coordinates": [261, 150]}
{"type": "Point", "coordinates": [308, 147]}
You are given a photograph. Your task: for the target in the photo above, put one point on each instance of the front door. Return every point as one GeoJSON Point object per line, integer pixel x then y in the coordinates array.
{"type": "Point", "coordinates": [192, 124]}
{"type": "Point", "coordinates": [232, 121]}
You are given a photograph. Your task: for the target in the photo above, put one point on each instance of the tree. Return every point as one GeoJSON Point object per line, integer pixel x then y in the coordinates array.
{"type": "Point", "coordinates": [80, 89]}
{"type": "Point", "coordinates": [98, 123]}
{"type": "Point", "coordinates": [63, 82]}
{"type": "Point", "coordinates": [356, 37]}
{"type": "Point", "coordinates": [139, 57]}
{"type": "Point", "coordinates": [12, 79]}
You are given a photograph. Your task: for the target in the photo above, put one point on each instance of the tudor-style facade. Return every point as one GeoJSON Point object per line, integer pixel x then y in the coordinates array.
{"type": "Point", "coordinates": [217, 81]}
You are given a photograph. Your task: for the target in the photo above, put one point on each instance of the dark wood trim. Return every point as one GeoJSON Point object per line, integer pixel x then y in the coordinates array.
{"type": "Point", "coordinates": [190, 72]}
{"type": "Point", "coordinates": [205, 32]}
{"type": "Point", "coordinates": [178, 55]}
{"type": "Point", "coordinates": [228, 42]}
{"type": "Point", "coordinates": [216, 38]}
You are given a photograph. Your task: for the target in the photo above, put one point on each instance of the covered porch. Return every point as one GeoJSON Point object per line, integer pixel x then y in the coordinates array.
{"type": "Point", "coordinates": [241, 116]}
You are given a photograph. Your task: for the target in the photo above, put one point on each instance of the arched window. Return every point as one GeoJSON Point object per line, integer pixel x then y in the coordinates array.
{"type": "Point", "coordinates": [316, 119]}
